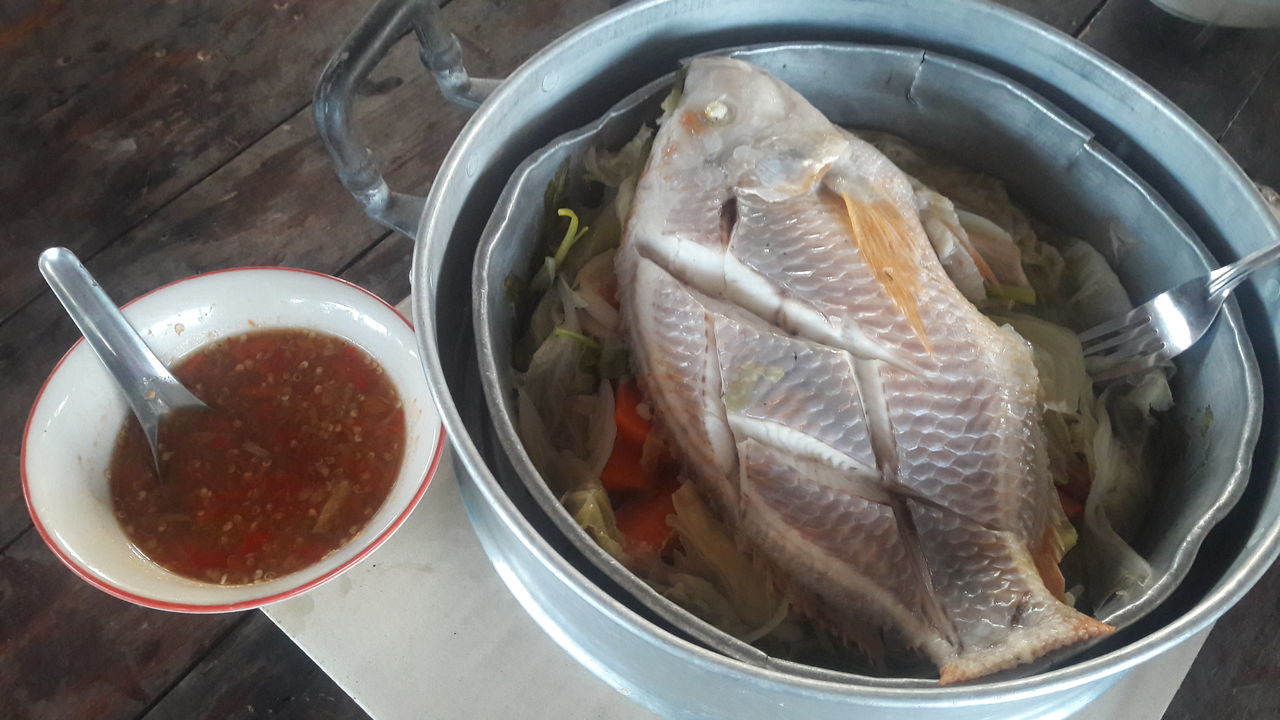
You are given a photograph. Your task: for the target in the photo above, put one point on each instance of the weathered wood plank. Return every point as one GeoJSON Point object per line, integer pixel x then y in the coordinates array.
{"type": "Point", "coordinates": [1209, 73]}
{"type": "Point", "coordinates": [114, 108]}
{"type": "Point", "coordinates": [384, 269]}
{"type": "Point", "coordinates": [1066, 15]}
{"type": "Point", "coordinates": [321, 699]}
{"type": "Point", "coordinates": [52, 50]}
{"type": "Point", "coordinates": [255, 672]}
{"type": "Point", "coordinates": [68, 650]}
{"type": "Point", "coordinates": [278, 202]}
{"type": "Point", "coordinates": [1253, 137]}
{"type": "Point", "coordinates": [1237, 674]}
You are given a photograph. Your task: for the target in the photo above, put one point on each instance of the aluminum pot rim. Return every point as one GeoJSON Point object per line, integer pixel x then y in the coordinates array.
{"type": "Point", "coordinates": [1249, 566]}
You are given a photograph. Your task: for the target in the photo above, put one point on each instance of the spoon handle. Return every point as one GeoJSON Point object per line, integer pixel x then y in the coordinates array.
{"type": "Point", "coordinates": [147, 384]}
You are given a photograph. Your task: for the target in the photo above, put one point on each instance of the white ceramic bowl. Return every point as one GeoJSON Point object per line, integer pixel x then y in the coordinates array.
{"type": "Point", "coordinates": [71, 430]}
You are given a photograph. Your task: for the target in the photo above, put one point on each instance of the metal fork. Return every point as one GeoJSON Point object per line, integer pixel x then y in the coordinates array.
{"type": "Point", "coordinates": [1159, 329]}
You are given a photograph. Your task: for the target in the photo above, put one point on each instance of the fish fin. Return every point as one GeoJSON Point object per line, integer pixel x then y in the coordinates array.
{"type": "Point", "coordinates": [1064, 626]}
{"type": "Point", "coordinates": [877, 231]}
{"type": "Point", "coordinates": [865, 637]}
{"type": "Point", "coordinates": [1046, 555]}
{"type": "Point", "coordinates": [978, 261]}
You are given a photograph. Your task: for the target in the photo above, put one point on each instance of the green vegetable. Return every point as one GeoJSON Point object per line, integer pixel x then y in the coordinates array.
{"type": "Point", "coordinates": [515, 287]}
{"type": "Point", "coordinates": [603, 236]}
{"type": "Point", "coordinates": [708, 551]}
{"type": "Point", "coordinates": [1065, 385]}
{"type": "Point", "coordinates": [536, 328]}
{"type": "Point", "coordinates": [571, 235]}
{"type": "Point", "coordinates": [1093, 294]}
{"type": "Point", "coordinates": [564, 332]}
{"type": "Point", "coordinates": [1020, 295]}
{"type": "Point", "coordinates": [552, 200]}
{"type": "Point", "coordinates": [590, 508]}
{"type": "Point", "coordinates": [612, 169]}
{"type": "Point", "coordinates": [615, 362]}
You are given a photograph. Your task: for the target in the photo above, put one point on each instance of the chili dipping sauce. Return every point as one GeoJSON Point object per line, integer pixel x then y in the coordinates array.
{"type": "Point", "coordinates": [303, 445]}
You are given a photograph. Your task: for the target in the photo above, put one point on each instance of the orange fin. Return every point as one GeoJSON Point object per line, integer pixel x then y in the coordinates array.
{"type": "Point", "coordinates": [979, 262]}
{"type": "Point", "coordinates": [1071, 627]}
{"type": "Point", "coordinates": [883, 242]}
{"type": "Point", "coordinates": [1047, 554]}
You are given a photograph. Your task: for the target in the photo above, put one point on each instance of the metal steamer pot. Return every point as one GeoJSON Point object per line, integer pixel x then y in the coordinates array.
{"type": "Point", "coordinates": [1178, 175]}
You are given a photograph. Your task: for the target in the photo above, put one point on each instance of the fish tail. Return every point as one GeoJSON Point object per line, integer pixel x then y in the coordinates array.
{"type": "Point", "coordinates": [1058, 627]}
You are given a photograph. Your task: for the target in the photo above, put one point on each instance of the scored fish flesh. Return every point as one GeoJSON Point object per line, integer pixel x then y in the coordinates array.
{"type": "Point", "coordinates": [862, 428]}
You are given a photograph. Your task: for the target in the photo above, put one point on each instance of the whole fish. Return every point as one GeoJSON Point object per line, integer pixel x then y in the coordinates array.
{"type": "Point", "coordinates": [862, 428]}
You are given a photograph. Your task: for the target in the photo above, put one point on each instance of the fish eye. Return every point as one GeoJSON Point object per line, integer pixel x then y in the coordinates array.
{"type": "Point", "coordinates": [716, 113]}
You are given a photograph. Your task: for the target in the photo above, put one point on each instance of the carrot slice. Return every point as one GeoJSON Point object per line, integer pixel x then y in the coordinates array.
{"type": "Point", "coordinates": [643, 521]}
{"type": "Point", "coordinates": [1071, 506]}
{"type": "Point", "coordinates": [1079, 482]}
{"type": "Point", "coordinates": [624, 471]}
{"type": "Point", "coordinates": [626, 412]}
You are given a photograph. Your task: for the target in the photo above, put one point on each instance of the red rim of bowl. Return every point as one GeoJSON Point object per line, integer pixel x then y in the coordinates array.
{"type": "Point", "coordinates": [110, 589]}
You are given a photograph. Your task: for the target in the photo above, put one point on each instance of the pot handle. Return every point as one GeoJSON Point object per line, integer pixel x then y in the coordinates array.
{"type": "Point", "coordinates": [363, 49]}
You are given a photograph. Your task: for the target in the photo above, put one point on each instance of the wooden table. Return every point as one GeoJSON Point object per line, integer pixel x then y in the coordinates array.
{"type": "Point", "coordinates": [161, 138]}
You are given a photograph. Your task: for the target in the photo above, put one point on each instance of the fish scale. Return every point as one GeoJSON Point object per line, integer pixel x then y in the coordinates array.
{"type": "Point", "coordinates": [852, 417]}
{"type": "Point", "coordinates": [854, 546]}
{"type": "Point", "coordinates": [776, 379]}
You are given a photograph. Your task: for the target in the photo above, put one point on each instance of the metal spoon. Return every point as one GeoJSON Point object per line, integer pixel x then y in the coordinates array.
{"type": "Point", "coordinates": [153, 392]}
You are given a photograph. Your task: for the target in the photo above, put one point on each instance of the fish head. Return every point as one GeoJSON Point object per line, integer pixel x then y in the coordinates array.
{"type": "Point", "coordinates": [740, 128]}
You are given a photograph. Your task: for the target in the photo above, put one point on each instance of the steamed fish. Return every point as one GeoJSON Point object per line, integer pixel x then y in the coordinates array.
{"type": "Point", "coordinates": [863, 430]}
